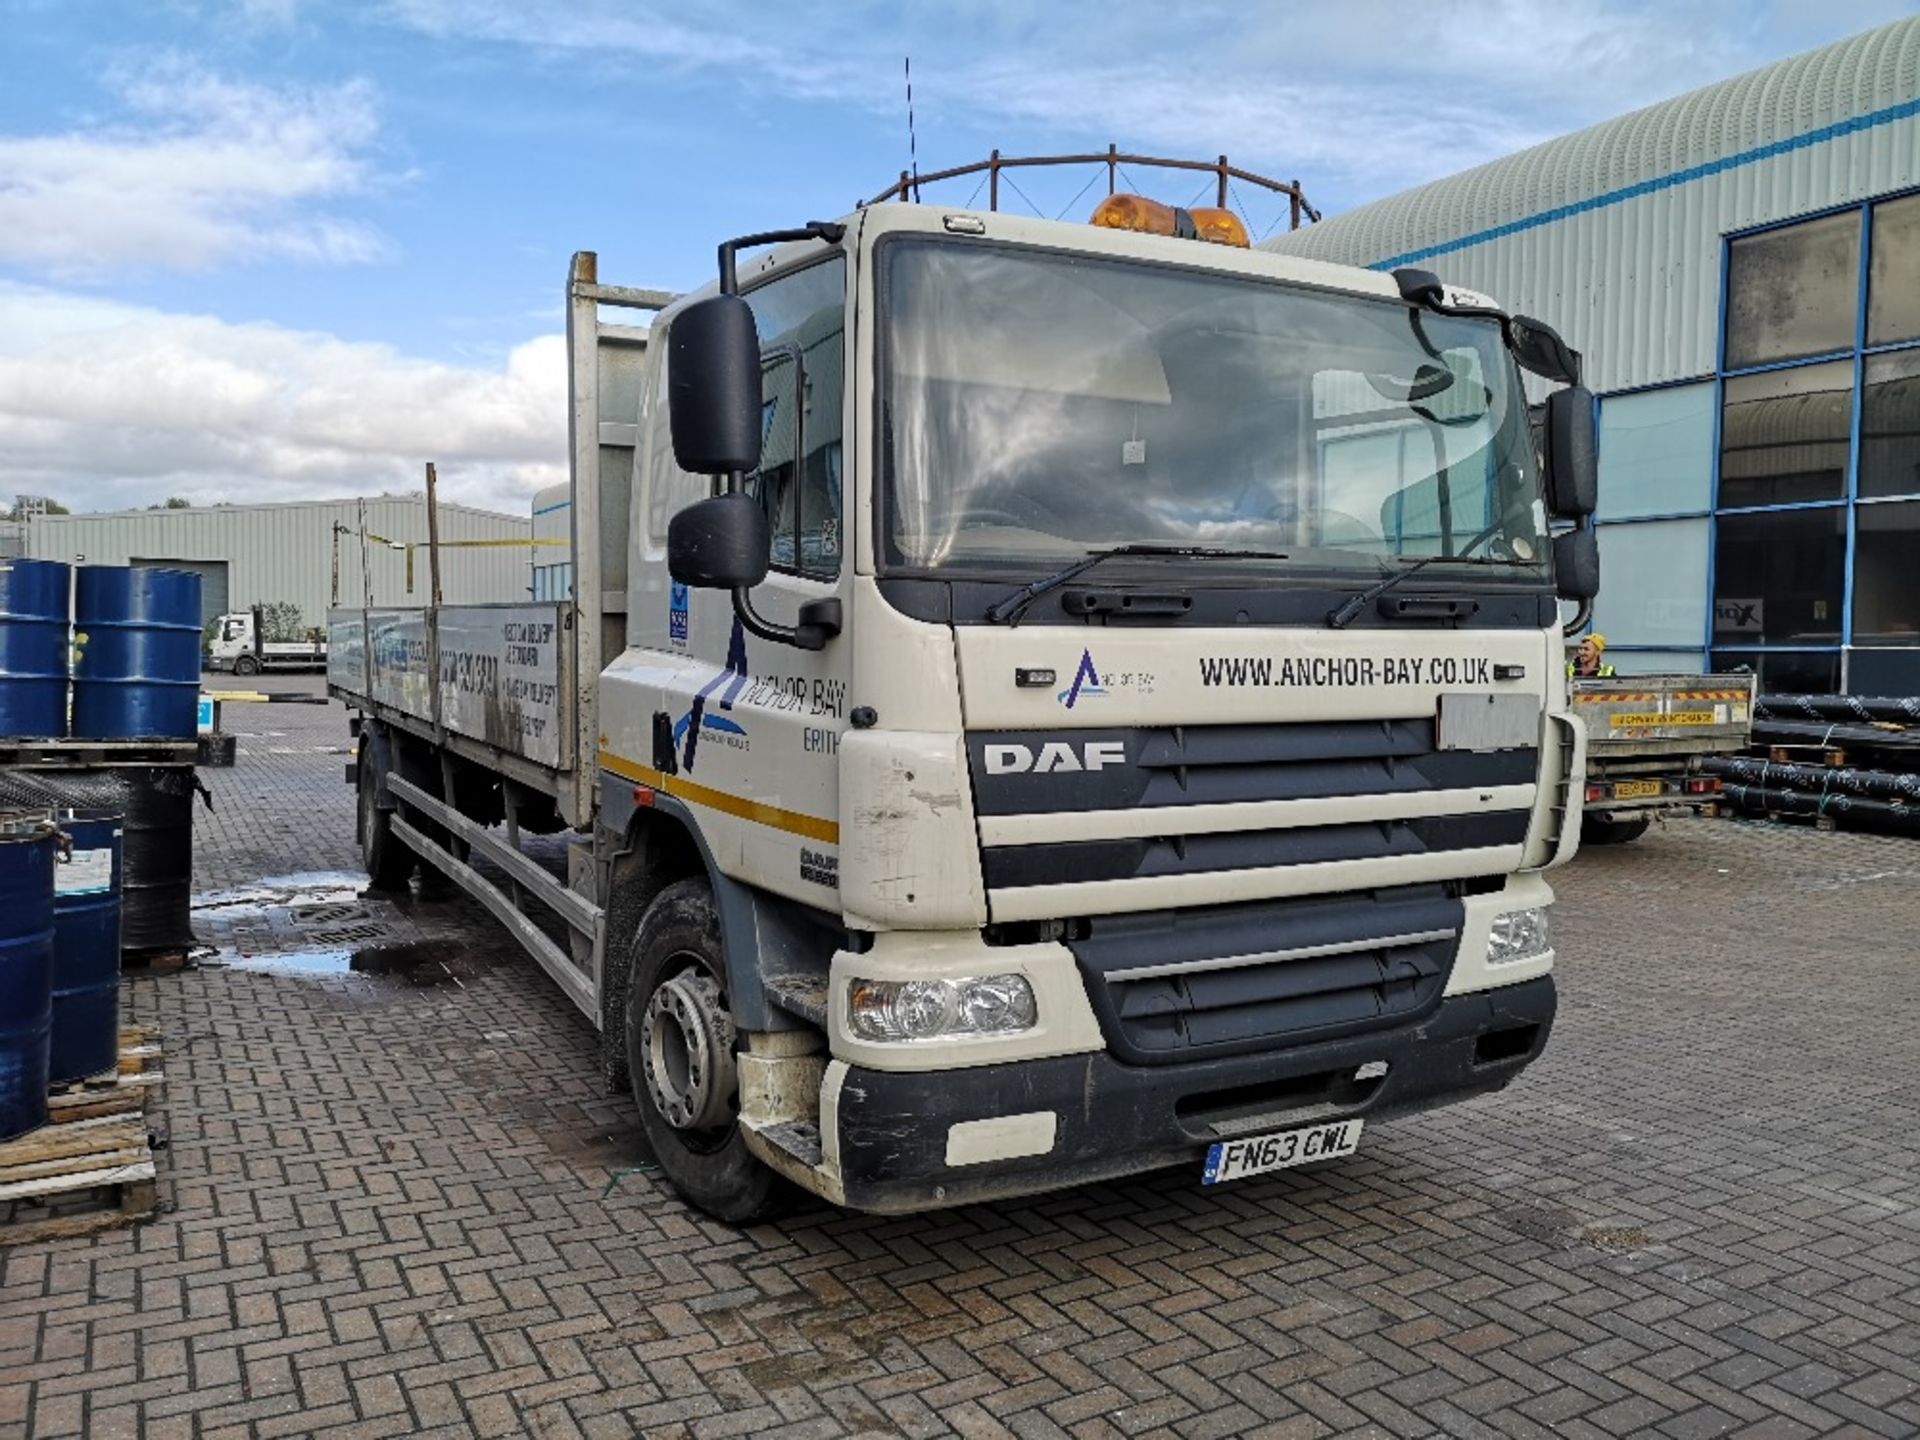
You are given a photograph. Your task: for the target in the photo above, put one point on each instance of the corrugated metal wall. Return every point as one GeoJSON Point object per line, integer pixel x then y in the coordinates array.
{"type": "Point", "coordinates": [1613, 234]}
{"type": "Point", "coordinates": [285, 552]}
{"type": "Point", "coordinates": [551, 562]}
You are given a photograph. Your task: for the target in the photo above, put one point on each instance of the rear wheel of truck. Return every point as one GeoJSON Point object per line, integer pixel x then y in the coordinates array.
{"type": "Point", "coordinates": [1596, 831]}
{"type": "Point", "coordinates": [680, 1051]}
{"type": "Point", "coordinates": [389, 863]}
{"type": "Point", "coordinates": [246, 665]}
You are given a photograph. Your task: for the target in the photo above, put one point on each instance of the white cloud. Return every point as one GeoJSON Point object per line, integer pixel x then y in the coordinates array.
{"type": "Point", "coordinates": [1358, 98]}
{"type": "Point", "coordinates": [198, 171]}
{"type": "Point", "coordinates": [105, 405]}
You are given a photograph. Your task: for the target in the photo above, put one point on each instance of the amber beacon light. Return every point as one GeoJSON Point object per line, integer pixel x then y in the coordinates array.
{"type": "Point", "coordinates": [1150, 217]}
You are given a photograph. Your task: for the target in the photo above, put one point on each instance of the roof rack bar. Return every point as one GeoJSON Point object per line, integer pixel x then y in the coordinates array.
{"type": "Point", "coordinates": [910, 187]}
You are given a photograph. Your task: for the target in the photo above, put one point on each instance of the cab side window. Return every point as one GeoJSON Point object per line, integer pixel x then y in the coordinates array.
{"type": "Point", "coordinates": [802, 322]}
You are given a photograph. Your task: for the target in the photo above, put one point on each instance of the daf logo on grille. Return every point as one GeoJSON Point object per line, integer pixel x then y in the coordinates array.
{"type": "Point", "coordinates": [1055, 757]}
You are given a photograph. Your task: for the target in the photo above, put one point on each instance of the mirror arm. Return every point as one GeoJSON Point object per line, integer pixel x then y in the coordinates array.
{"type": "Point", "coordinates": [1423, 290]}
{"type": "Point", "coordinates": [825, 230]}
{"type": "Point", "coordinates": [750, 619]}
{"type": "Point", "coordinates": [819, 622]}
{"type": "Point", "coordinates": [1582, 618]}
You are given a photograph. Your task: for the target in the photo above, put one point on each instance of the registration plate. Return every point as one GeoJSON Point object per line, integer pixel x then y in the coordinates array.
{"type": "Point", "coordinates": [1635, 789]}
{"type": "Point", "coordinates": [1257, 1154]}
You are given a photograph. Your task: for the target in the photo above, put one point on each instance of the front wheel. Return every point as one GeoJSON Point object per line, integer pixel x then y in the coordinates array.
{"type": "Point", "coordinates": [246, 665]}
{"type": "Point", "coordinates": [1595, 831]}
{"type": "Point", "coordinates": [680, 1052]}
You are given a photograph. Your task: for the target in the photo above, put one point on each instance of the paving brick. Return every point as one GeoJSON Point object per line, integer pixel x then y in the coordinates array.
{"type": "Point", "coordinates": [404, 1205]}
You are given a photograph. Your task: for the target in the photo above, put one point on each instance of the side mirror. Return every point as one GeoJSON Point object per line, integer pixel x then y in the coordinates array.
{"type": "Point", "coordinates": [1573, 456]}
{"type": "Point", "coordinates": [1538, 348]}
{"type": "Point", "coordinates": [721, 543]}
{"type": "Point", "coordinates": [713, 387]}
{"type": "Point", "coordinates": [1576, 564]}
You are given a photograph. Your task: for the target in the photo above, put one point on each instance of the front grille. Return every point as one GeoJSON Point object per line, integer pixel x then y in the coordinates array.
{"type": "Point", "coordinates": [1223, 980]}
{"type": "Point", "coordinates": [1385, 779]}
{"type": "Point", "coordinates": [1216, 764]}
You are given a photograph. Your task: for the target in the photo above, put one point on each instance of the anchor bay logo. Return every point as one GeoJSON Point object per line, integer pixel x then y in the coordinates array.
{"type": "Point", "coordinates": [1086, 683]}
{"type": "Point", "coordinates": [699, 720]}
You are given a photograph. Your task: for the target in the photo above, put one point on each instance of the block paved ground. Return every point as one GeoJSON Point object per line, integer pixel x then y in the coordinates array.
{"type": "Point", "coordinates": [402, 1206]}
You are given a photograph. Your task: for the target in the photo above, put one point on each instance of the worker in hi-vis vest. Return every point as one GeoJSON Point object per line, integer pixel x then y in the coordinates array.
{"type": "Point", "coordinates": [1586, 662]}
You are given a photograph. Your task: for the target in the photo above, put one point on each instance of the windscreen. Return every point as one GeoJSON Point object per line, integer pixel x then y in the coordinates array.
{"type": "Point", "coordinates": [1040, 406]}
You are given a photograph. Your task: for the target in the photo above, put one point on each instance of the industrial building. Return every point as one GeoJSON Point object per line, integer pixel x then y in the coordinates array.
{"type": "Point", "coordinates": [552, 569]}
{"type": "Point", "coordinates": [1741, 268]}
{"type": "Point", "coordinates": [307, 553]}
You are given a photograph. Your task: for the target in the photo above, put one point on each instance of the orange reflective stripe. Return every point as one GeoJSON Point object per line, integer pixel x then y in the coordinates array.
{"type": "Point", "coordinates": [794, 822]}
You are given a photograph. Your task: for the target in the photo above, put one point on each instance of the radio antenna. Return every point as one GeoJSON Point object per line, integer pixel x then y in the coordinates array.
{"type": "Point", "coordinates": [913, 143]}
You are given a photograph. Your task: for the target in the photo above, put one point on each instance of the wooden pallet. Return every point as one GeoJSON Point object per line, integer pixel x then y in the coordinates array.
{"type": "Point", "coordinates": [1797, 819]}
{"type": "Point", "coordinates": [92, 754]}
{"type": "Point", "coordinates": [1803, 820]}
{"type": "Point", "coordinates": [94, 1148]}
{"type": "Point", "coordinates": [1831, 756]}
{"type": "Point", "coordinates": [158, 960]}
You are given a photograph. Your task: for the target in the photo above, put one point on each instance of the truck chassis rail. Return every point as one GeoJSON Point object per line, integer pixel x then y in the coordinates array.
{"type": "Point", "coordinates": [582, 917]}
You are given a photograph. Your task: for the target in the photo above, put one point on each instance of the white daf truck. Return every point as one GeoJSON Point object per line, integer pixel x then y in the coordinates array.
{"type": "Point", "coordinates": [1037, 702]}
{"type": "Point", "coordinates": [238, 644]}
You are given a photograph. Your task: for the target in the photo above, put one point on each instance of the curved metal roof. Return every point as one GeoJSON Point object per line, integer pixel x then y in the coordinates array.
{"type": "Point", "coordinates": [1840, 89]}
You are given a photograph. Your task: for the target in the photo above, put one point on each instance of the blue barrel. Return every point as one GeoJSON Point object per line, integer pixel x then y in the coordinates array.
{"type": "Point", "coordinates": [27, 849]}
{"type": "Point", "coordinates": [136, 641]}
{"type": "Point", "coordinates": [33, 649]}
{"type": "Point", "coordinates": [86, 948]}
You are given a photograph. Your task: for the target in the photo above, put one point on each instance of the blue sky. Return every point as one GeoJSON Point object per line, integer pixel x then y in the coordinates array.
{"type": "Point", "coordinates": [283, 248]}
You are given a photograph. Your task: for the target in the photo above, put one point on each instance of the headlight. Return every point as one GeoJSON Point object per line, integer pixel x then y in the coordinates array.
{"type": "Point", "coordinates": [1518, 935]}
{"type": "Point", "coordinates": [940, 1009]}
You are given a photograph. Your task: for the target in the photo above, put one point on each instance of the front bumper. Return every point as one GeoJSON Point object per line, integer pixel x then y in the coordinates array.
{"type": "Point", "coordinates": [1073, 1119]}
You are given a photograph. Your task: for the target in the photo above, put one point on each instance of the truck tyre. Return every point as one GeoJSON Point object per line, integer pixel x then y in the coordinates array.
{"type": "Point", "coordinates": [389, 862]}
{"type": "Point", "coordinates": [680, 1053]}
{"type": "Point", "coordinates": [1596, 831]}
{"type": "Point", "coordinates": [245, 665]}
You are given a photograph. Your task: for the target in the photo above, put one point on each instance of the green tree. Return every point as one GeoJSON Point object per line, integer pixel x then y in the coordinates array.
{"type": "Point", "coordinates": [280, 620]}
{"type": "Point", "coordinates": [14, 512]}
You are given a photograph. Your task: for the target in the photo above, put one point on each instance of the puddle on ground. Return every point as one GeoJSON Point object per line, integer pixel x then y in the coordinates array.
{"type": "Point", "coordinates": [419, 963]}
{"type": "Point", "coordinates": [330, 922]}
{"type": "Point", "coordinates": [328, 887]}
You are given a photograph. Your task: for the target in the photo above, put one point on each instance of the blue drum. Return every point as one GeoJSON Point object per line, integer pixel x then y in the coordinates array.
{"type": "Point", "coordinates": [33, 649]}
{"type": "Point", "coordinates": [86, 948]}
{"type": "Point", "coordinates": [136, 641]}
{"type": "Point", "coordinates": [28, 847]}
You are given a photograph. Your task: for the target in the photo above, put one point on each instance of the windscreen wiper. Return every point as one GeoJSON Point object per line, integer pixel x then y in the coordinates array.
{"type": "Point", "coordinates": [1342, 615]}
{"type": "Point", "coordinates": [1009, 610]}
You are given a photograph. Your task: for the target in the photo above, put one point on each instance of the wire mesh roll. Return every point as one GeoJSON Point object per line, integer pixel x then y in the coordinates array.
{"type": "Point", "coordinates": [1866, 709]}
{"type": "Point", "coordinates": [1835, 732]}
{"type": "Point", "coordinates": [1821, 779]}
{"type": "Point", "coordinates": [1852, 812]}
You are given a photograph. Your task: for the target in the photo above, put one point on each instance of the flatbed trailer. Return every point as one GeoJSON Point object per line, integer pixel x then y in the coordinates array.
{"type": "Point", "coordinates": [1646, 738]}
{"type": "Point", "coordinates": [473, 727]}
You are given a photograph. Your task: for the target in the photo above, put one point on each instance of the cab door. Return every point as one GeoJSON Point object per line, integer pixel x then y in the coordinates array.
{"type": "Point", "coordinates": [757, 740]}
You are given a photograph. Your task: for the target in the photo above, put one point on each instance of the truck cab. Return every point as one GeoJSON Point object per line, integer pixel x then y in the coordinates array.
{"type": "Point", "coordinates": [1091, 700]}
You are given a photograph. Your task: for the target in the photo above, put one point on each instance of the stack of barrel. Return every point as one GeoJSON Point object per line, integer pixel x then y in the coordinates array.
{"type": "Point", "coordinates": [99, 691]}
{"type": "Point", "coordinates": [60, 907]}
{"type": "Point", "coordinates": [1853, 760]}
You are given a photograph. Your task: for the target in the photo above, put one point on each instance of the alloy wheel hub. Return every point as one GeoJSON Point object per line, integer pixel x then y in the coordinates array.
{"type": "Point", "coordinates": [687, 1050]}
